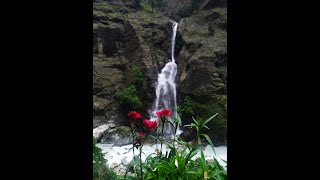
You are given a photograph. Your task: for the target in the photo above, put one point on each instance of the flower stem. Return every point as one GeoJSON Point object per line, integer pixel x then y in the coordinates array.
{"type": "Point", "coordinates": [132, 133]}
{"type": "Point", "coordinates": [162, 135]}
{"type": "Point", "coordinates": [174, 136]}
{"type": "Point", "coordinates": [141, 163]}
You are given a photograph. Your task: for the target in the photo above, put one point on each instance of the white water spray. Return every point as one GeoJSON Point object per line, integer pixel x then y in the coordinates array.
{"type": "Point", "coordinates": [166, 87]}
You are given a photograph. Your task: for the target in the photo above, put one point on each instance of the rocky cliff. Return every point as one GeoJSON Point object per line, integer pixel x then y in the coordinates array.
{"type": "Point", "coordinates": [127, 34]}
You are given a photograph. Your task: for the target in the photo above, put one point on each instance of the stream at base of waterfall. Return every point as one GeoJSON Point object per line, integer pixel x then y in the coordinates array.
{"type": "Point", "coordinates": [118, 156]}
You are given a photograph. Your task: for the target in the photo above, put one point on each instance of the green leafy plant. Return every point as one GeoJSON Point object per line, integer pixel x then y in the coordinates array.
{"type": "Point", "coordinates": [100, 169]}
{"type": "Point", "coordinates": [178, 162]}
{"type": "Point", "coordinates": [204, 105]}
{"type": "Point", "coordinates": [129, 98]}
{"type": "Point", "coordinates": [199, 124]}
{"type": "Point", "coordinates": [138, 76]}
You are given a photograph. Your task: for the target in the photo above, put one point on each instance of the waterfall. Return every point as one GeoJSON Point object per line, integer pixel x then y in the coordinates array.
{"type": "Point", "coordinates": [173, 40]}
{"type": "Point", "coordinates": [166, 95]}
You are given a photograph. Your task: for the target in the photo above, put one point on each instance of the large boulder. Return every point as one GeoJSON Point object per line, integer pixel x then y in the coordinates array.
{"type": "Point", "coordinates": [98, 132]}
{"type": "Point", "coordinates": [118, 136]}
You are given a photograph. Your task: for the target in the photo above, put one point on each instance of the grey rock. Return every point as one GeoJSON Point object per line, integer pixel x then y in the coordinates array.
{"type": "Point", "coordinates": [119, 136]}
{"type": "Point", "coordinates": [98, 132]}
{"type": "Point", "coordinates": [124, 161]}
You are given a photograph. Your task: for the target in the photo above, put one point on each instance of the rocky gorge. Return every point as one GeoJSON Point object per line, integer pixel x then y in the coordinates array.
{"type": "Point", "coordinates": [130, 39]}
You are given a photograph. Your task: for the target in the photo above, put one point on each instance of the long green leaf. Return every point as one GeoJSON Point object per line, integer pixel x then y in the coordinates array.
{"type": "Point", "coordinates": [154, 137]}
{"type": "Point", "coordinates": [193, 153]}
{"type": "Point", "coordinates": [177, 119]}
{"type": "Point", "coordinates": [209, 119]}
{"type": "Point", "coordinates": [210, 142]}
{"type": "Point", "coordinates": [197, 123]}
{"type": "Point", "coordinates": [224, 161]}
{"type": "Point", "coordinates": [149, 176]}
{"type": "Point", "coordinates": [192, 172]}
{"type": "Point", "coordinates": [166, 168]}
{"type": "Point", "coordinates": [206, 126]}
{"type": "Point", "coordinates": [179, 140]}
{"type": "Point", "coordinates": [171, 124]}
{"type": "Point", "coordinates": [202, 156]}
{"type": "Point", "coordinates": [190, 125]}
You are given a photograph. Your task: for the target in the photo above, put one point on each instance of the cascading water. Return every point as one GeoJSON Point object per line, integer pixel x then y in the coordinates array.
{"type": "Point", "coordinates": [166, 87]}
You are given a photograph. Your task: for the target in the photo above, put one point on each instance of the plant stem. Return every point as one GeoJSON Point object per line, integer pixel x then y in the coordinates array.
{"type": "Point", "coordinates": [162, 135]}
{"type": "Point", "coordinates": [141, 163]}
{"type": "Point", "coordinates": [132, 142]}
{"type": "Point", "coordinates": [175, 131]}
{"type": "Point", "coordinates": [132, 133]}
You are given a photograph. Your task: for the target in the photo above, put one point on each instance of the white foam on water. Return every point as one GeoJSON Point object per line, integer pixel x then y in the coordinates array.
{"type": "Point", "coordinates": [114, 154]}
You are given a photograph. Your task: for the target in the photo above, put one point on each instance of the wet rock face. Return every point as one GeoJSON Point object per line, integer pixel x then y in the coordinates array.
{"type": "Point", "coordinates": [203, 55]}
{"type": "Point", "coordinates": [109, 62]}
{"type": "Point", "coordinates": [203, 66]}
{"type": "Point", "coordinates": [129, 3]}
{"type": "Point", "coordinates": [214, 3]}
{"type": "Point", "coordinates": [203, 75]}
{"type": "Point", "coordinates": [108, 35]}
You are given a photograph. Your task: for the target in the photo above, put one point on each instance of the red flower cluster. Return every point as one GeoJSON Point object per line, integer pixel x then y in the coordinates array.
{"type": "Point", "coordinates": [164, 112]}
{"type": "Point", "coordinates": [134, 115]}
{"type": "Point", "coordinates": [150, 125]}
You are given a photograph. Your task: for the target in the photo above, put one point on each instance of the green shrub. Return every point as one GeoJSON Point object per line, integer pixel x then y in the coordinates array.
{"type": "Point", "coordinates": [100, 169]}
{"type": "Point", "coordinates": [186, 10]}
{"type": "Point", "coordinates": [129, 98]}
{"type": "Point", "coordinates": [189, 8]}
{"type": "Point", "coordinates": [202, 105]}
{"type": "Point", "coordinates": [138, 77]}
{"type": "Point", "coordinates": [160, 4]}
{"type": "Point", "coordinates": [190, 106]}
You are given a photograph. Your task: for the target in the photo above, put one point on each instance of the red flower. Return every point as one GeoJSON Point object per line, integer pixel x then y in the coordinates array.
{"type": "Point", "coordinates": [135, 115]}
{"type": "Point", "coordinates": [150, 125]}
{"type": "Point", "coordinates": [140, 135]}
{"type": "Point", "coordinates": [164, 112]}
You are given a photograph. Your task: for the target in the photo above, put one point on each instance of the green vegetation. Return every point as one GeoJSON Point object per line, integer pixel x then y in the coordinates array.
{"type": "Point", "coordinates": [203, 105]}
{"type": "Point", "coordinates": [177, 164]}
{"type": "Point", "coordinates": [129, 98]}
{"type": "Point", "coordinates": [186, 11]}
{"type": "Point", "coordinates": [138, 77]}
{"type": "Point", "coordinates": [157, 4]}
{"type": "Point", "coordinates": [189, 8]}
{"type": "Point", "coordinates": [100, 169]}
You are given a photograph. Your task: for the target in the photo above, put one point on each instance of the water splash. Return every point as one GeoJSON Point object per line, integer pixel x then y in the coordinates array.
{"type": "Point", "coordinates": [166, 94]}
